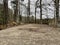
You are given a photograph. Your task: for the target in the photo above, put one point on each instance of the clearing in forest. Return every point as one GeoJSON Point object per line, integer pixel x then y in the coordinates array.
{"type": "Point", "coordinates": [30, 34]}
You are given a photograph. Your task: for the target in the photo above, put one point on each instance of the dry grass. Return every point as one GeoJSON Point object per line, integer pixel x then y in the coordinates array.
{"type": "Point", "coordinates": [31, 34]}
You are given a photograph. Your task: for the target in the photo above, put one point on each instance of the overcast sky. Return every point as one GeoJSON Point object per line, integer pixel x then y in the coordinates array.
{"type": "Point", "coordinates": [49, 11]}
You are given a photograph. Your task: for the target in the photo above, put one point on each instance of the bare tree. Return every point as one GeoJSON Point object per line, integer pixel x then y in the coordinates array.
{"type": "Point", "coordinates": [15, 2]}
{"type": "Point", "coordinates": [35, 10]}
{"type": "Point", "coordinates": [5, 11]}
{"type": "Point", "coordinates": [41, 11]}
{"type": "Point", "coordinates": [28, 17]}
{"type": "Point", "coordinates": [57, 11]}
{"type": "Point", "coordinates": [16, 10]}
{"type": "Point", "coordinates": [35, 14]}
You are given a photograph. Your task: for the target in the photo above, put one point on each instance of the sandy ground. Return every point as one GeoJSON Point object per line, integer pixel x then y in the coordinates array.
{"type": "Point", "coordinates": [30, 34]}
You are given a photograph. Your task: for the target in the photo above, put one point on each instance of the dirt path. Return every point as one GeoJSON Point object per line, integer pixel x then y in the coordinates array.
{"type": "Point", "coordinates": [30, 34]}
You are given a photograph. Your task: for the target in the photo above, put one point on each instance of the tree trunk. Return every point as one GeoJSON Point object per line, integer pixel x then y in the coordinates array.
{"type": "Point", "coordinates": [16, 11]}
{"type": "Point", "coordinates": [41, 11]}
{"type": "Point", "coordinates": [28, 17]}
{"type": "Point", "coordinates": [35, 14]}
{"type": "Point", "coordinates": [5, 12]}
{"type": "Point", "coordinates": [57, 11]}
